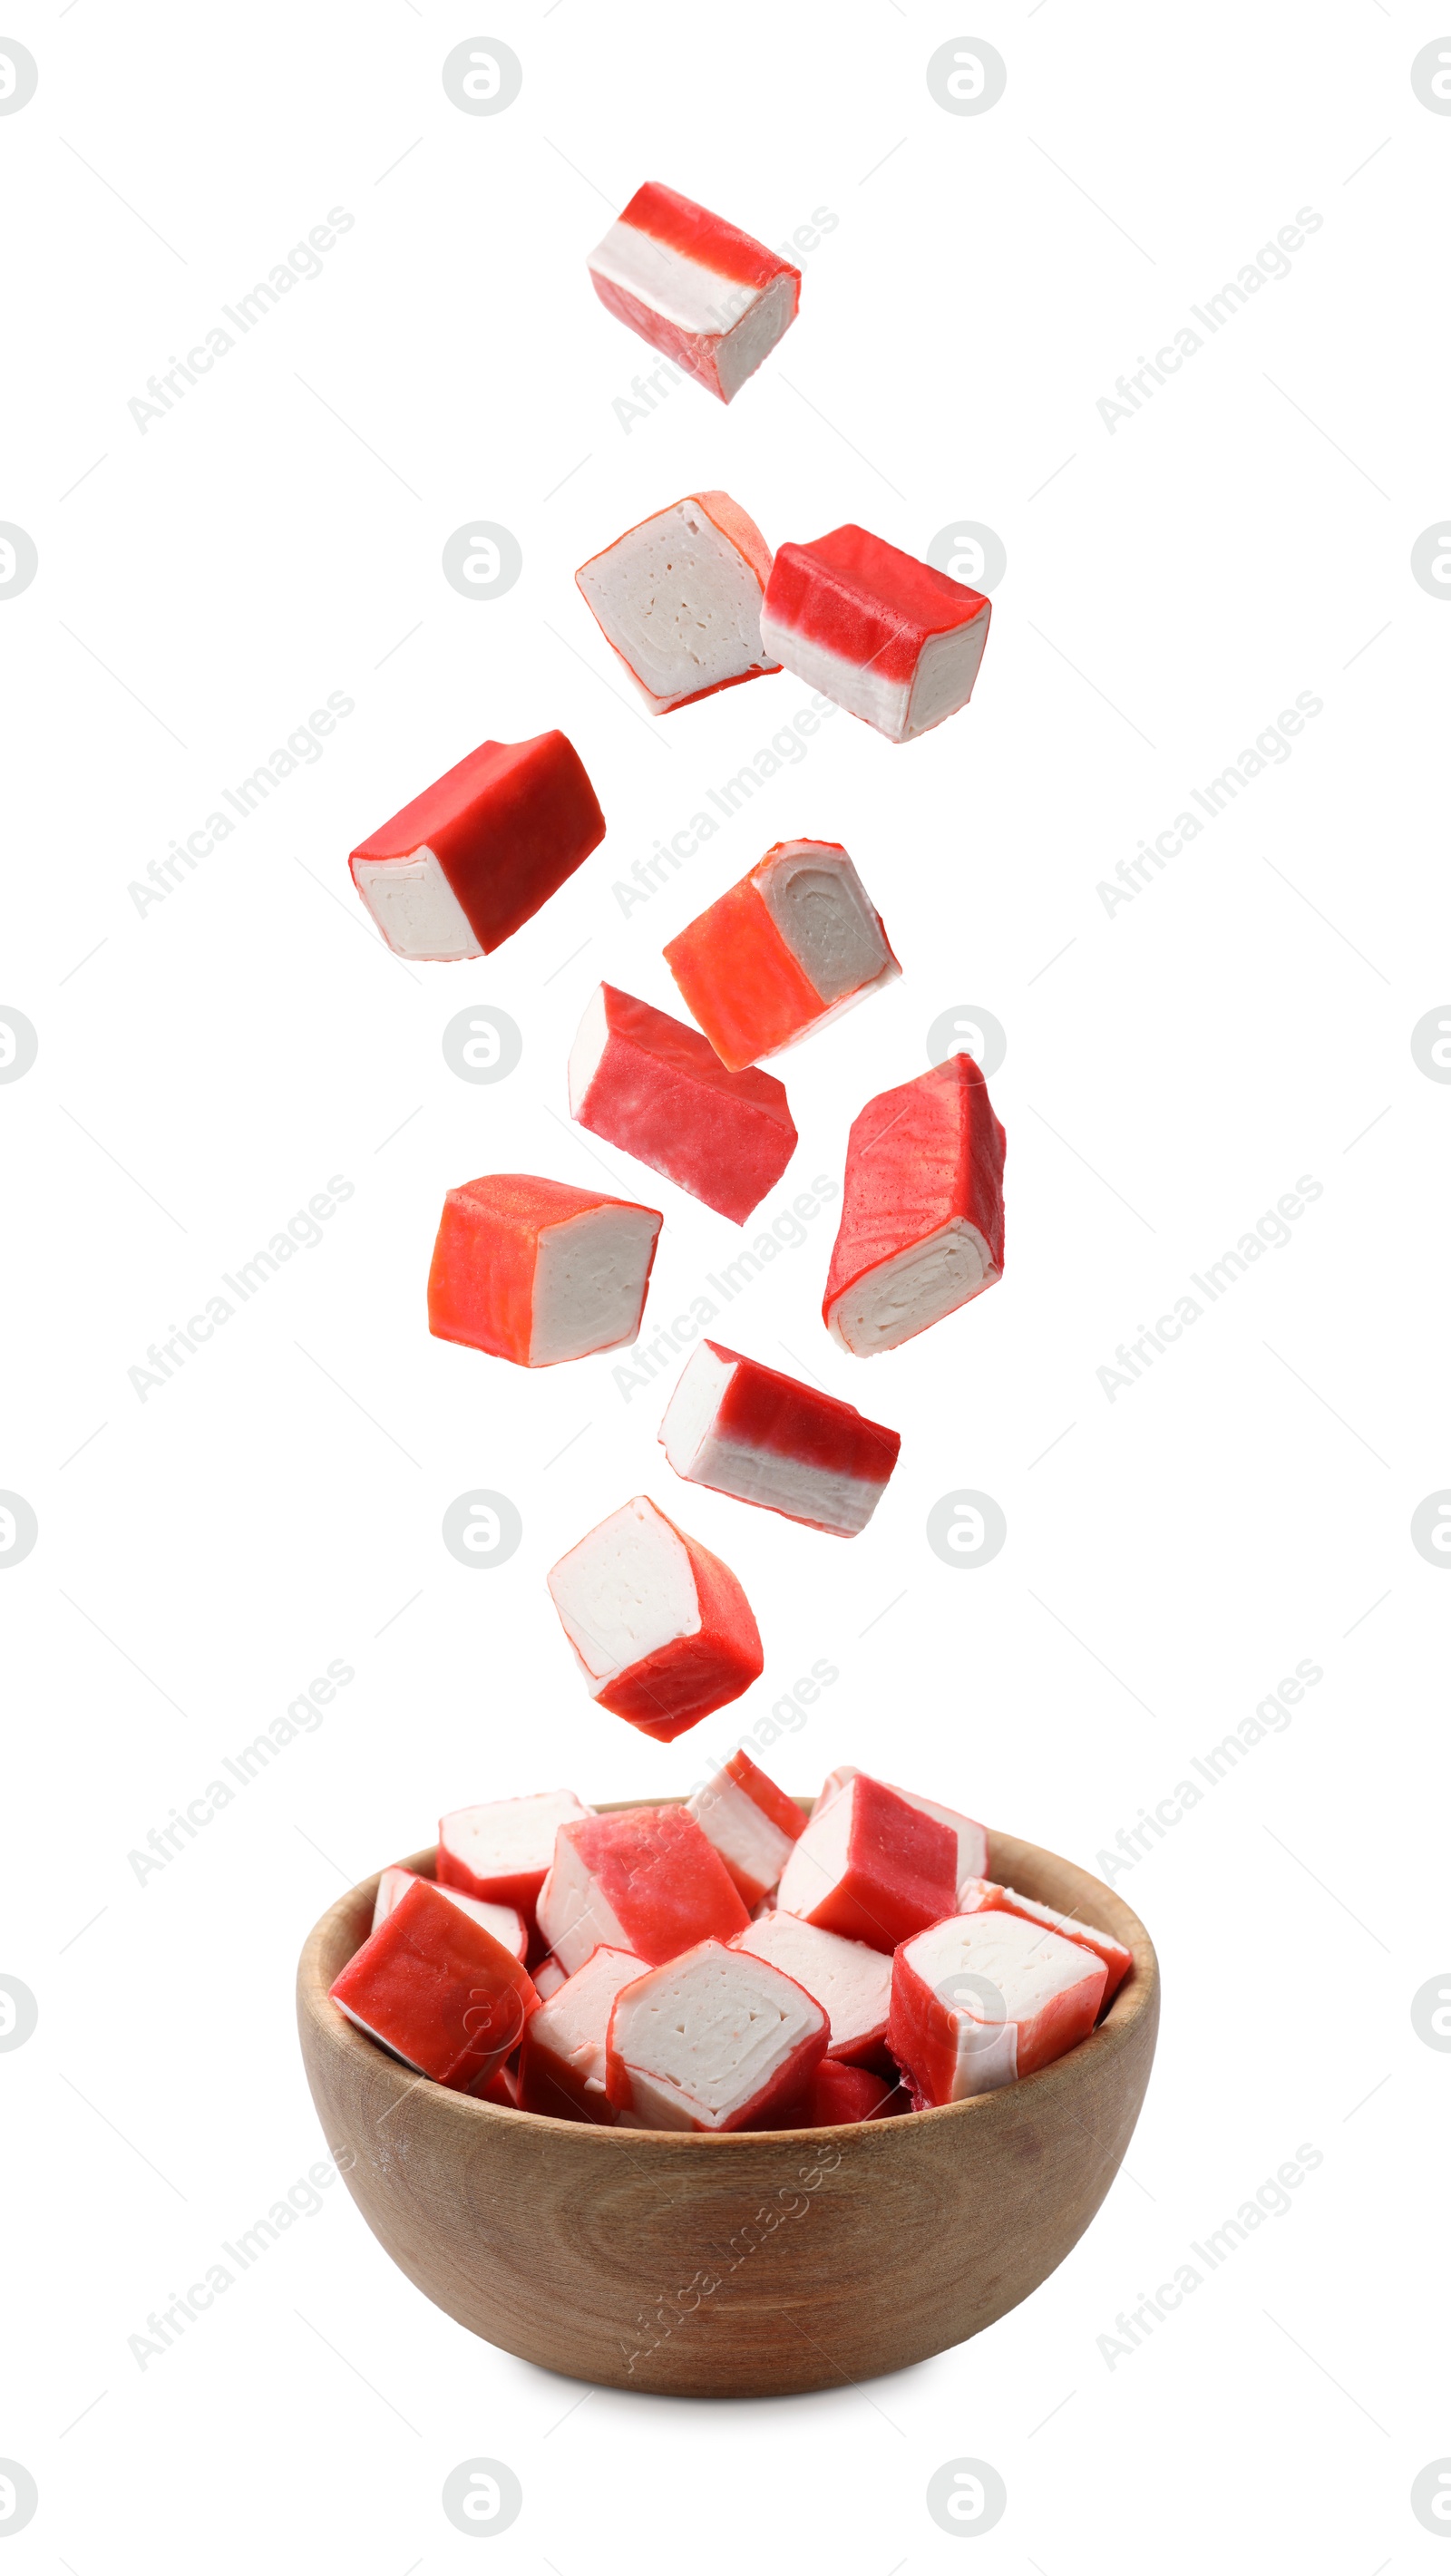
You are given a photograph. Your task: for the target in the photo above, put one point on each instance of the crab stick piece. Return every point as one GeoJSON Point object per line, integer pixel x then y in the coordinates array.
{"type": "Point", "coordinates": [751, 1823]}
{"type": "Point", "coordinates": [971, 1836]}
{"type": "Point", "coordinates": [716, 2040]}
{"type": "Point", "coordinates": [645, 1881]}
{"type": "Point", "coordinates": [703, 293]}
{"type": "Point", "coordinates": [921, 1227]}
{"type": "Point", "coordinates": [538, 1271]}
{"type": "Point", "coordinates": [438, 1991]}
{"type": "Point", "coordinates": [885, 636]}
{"type": "Point", "coordinates": [982, 1999]}
{"type": "Point", "coordinates": [562, 2061]}
{"type": "Point", "coordinates": [661, 1630]}
{"type": "Point", "coordinates": [678, 600]}
{"type": "Point", "coordinates": [747, 1430]}
{"type": "Point", "coordinates": [500, 1851]}
{"type": "Point", "coordinates": [871, 1867]}
{"type": "Point", "coordinates": [504, 1921]}
{"type": "Point", "coordinates": [463, 866]}
{"type": "Point", "coordinates": [658, 1090]}
{"type": "Point", "coordinates": [787, 950]}
{"type": "Point", "coordinates": [983, 1896]}
{"type": "Point", "coordinates": [852, 1983]}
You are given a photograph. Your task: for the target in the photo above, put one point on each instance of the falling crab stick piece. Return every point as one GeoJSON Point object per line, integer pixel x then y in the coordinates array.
{"type": "Point", "coordinates": [678, 600]}
{"type": "Point", "coordinates": [871, 1867]}
{"type": "Point", "coordinates": [646, 1881]}
{"type": "Point", "coordinates": [852, 1983]}
{"type": "Point", "coordinates": [751, 1823]}
{"type": "Point", "coordinates": [981, 1999]}
{"type": "Point", "coordinates": [705, 294]}
{"type": "Point", "coordinates": [921, 1227]}
{"type": "Point", "coordinates": [747, 1430]}
{"type": "Point", "coordinates": [501, 1850]}
{"type": "Point", "coordinates": [467, 863]}
{"type": "Point", "coordinates": [562, 2061]}
{"type": "Point", "coordinates": [983, 1896]}
{"type": "Point", "coordinates": [790, 948]}
{"type": "Point", "coordinates": [438, 1991]}
{"type": "Point", "coordinates": [661, 1630]}
{"type": "Point", "coordinates": [504, 1921]}
{"type": "Point", "coordinates": [885, 636]}
{"type": "Point", "coordinates": [538, 1271]}
{"type": "Point", "coordinates": [715, 2040]}
{"type": "Point", "coordinates": [971, 1836]}
{"type": "Point", "coordinates": [659, 1091]}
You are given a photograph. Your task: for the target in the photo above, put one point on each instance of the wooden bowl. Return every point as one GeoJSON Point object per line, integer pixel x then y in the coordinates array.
{"type": "Point", "coordinates": [745, 2266]}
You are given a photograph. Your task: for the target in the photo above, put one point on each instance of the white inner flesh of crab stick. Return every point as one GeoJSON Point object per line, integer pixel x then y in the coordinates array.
{"type": "Point", "coordinates": [511, 1836]}
{"type": "Point", "coordinates": [743, 1835]}
{"type": "Point", "coordinates": [852, 1984]}
{"type": "Point", "coordinates": [822, 913]}
{"type": "Point", "coordinates": [415, 907]}
{"type": "Point", "coordinates": [574, 1917]}
{"type": "Point", "coordinates": [589, 1280]}
{"type": "Point", "coordinates": [679, 601]}
{"type": "Point", "coordinates": [942, 682]}
{"type": "Point", "coordinates": [701, 2042]}
{"type": "Point", "coordinates": [503, 1921]}
{"type": "Point", "coordinates": [698, 299]}
{"type": "Point", "coordinates": [625, 1591]}
{"type": "Point", "coordinates": [914, 1289]}
{"type": "Point", "coordinates": [1023, 1963]}
{"type": "Point", "coordinates": [753, 1475]}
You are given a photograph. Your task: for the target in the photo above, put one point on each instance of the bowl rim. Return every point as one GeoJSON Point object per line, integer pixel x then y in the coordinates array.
{"type": "Point", "coordinates": [1136, 1998]}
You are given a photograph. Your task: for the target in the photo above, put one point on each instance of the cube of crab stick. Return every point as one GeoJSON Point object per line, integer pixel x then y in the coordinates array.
{"type": "Point", "coordinates": [852, 1984]}
{"type": "Point", "coordinates": [538, 1271]}
{"type": "Point", "coordinates": [747, 1430]}
{"type": "Point", "coordinates": [921, 1228]}
{"type": "Point", "coordinates": [751, 1823]}
{"type": "Point", "coordinates": [562, 2061]}
{"type": "Point", "coordinates": [837, 2095]}
{"type": "Point", "coordinates": [714, 2040]}
{"type": "Point", "coordinates": [971, 1836]}
{"type": "Point", "coordinates": [678, 600]}
{"type": "Point", "coordinates": [888, 638]}
{"type": "Point", "coordinates": [468, 862]}
{"type": "Point", "coordinates": [501, 1850]}
{"type": "Point", "coordinates": [504, 1921]}
{"type": "Point", "coordinates": [661, 1630]}
{"type": "Point", "coordinates": [708, 296]}
{"type": "Point", "coordinates": [790, 948]}
{"type": "Point", "coordinates": [984, 1896]}
{"type": "Point", "coordinates": [646, 1881]}
{"type": "Point", "coordinates": [981, 1999]}
{"type": "Point", "coordinates": [659, 1091]}
{"type": "Point", "coordinates": [870, 1867]}
{"type": "Point", "coordinates": [438, 1991]}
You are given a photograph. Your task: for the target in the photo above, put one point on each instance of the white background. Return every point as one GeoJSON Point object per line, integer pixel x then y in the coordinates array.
{"type": "Point", "coordinates": [1172, 1068]}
